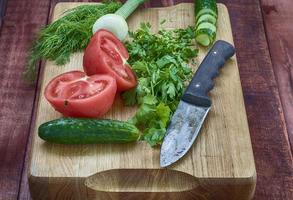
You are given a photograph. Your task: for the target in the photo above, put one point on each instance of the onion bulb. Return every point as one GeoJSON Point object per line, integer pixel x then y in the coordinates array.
{"type": "Point", "coordinates": [113, 23]}
{"type": "Point", "coordinates": [116, 23]}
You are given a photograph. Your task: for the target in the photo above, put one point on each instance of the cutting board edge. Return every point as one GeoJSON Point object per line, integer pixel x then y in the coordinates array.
{"type": "Point", "coordinates": [243, 188]}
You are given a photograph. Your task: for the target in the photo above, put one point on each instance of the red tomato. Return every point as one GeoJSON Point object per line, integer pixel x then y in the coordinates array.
{"type": "Point", "coordinates": [106, 54]}
{"type": "Point", "coordinates": [76, 95]}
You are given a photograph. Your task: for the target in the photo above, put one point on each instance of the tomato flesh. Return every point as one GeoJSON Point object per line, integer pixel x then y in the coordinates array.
{"type": "Point", "coordinates": [76, 95]}
{"type": "Point", "coordinates": [106, 54]}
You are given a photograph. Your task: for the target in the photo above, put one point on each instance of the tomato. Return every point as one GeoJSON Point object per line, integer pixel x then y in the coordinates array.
{"type": "Point", "coordinates": [106, 54]}
{"type": "Point", "coordinates": [76, 95]}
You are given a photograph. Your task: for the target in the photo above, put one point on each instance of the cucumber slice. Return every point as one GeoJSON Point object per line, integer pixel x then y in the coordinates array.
{"type": "Point", "coordinates": [207, 25]}
{"type": "Point", "coordinates": [206, 18]}
{"type": "Point", "coordinates": [203, 39]}
{"type": "Point", "coordinates": [205, 36]}
{"type": "Point", "coordinates": [206, 11]}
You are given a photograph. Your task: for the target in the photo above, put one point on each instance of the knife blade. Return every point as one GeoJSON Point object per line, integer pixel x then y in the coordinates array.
{"type": "Point", "coordinates": [194, 105]}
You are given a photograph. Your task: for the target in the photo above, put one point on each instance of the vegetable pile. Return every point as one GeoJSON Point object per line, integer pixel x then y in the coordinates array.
{"type": "Point", "coordinates": [162, 64]}
{"type": "Point", "coordinates": [150, 71]}
{"type": "Point", "coordinates": [91, 94]}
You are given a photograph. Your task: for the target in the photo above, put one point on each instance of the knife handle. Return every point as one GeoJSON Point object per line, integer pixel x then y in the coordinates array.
{"type": "Point", "coordinates": [202, 83]}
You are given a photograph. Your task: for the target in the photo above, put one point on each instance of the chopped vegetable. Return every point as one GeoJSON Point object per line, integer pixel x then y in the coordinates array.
{"type": "Point", "coordinates": [152, 117]}
{"type": "Point", "coordinates": [206, 15]}
{"type": "Point", "coordinates": [161, 65]}
{"type": "Point", "coordinates": [76, 95]}
{"type": "Point", "coordinates": [67, 35]}
{"type": "Point", "coordinates": [116, 22]}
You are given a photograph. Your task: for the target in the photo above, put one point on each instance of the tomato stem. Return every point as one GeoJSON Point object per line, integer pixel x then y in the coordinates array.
{"type": "Point", "coordinates": [128, 8]}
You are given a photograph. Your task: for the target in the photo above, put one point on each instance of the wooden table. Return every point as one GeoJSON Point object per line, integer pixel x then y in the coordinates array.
{"type": "Point", "coordinates": [263, 35]}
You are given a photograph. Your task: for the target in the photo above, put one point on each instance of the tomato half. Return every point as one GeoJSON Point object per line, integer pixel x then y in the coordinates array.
{"type": "Point", "coordinates": [76, 95]}
{"type": "Point", "coordinates": [106, 54]}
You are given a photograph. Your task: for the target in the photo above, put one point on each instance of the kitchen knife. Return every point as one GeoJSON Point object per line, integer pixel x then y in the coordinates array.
{"type": "Point", "coordinates": [194, 105]}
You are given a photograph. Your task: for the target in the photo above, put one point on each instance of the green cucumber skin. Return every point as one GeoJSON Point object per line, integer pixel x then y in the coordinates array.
{"type": "Point", "coordinates": [206, 18]}
{"type": "Point", "coordinates": [206, 25]}
{"type": "Point", "coordinates": [88, 131]}
{"type": "Point", "coordinates": [211, 34]}
{"type": "Point", "coordinates": [205, 4]}
{"type": "Point", "coordinates": [205, 11]}
{"type": "Point", "coordinates": [208, 32]}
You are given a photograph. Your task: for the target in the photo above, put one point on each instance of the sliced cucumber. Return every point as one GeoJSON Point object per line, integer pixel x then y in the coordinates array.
{"type": "Point", "coordinates": [210, 4]}
{"type": "Point", "coordinates": [204, 12]}
{"type": "Point", "coordinates": [205, 36]}
{"type": "Point", "coordinates": [207, 25]}
{"type": "Point", "coordinates": [206, 18]}
{"type": "Point", "coordinates": [203, 39]}
{"type": "Point", "coordinates": [206, 15]}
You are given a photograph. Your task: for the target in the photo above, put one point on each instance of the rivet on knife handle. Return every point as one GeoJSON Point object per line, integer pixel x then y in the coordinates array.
{"type": "Point", "coordinates": [202, 83]}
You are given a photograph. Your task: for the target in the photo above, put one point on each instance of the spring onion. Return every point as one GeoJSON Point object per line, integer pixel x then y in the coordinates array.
{"type": "Point", "coordinates": [116, 23]}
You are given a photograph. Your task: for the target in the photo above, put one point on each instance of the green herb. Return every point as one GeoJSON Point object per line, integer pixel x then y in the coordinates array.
{"type": "Point", "coordinates": [152, 117]}
{"type": "Point", "coordinates": [162, 64]}
{"type": "Point", "coordinates": [67, 35]}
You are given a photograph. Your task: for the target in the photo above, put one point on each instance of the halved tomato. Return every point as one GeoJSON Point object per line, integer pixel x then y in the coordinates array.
{"type": "Point", "coordinates": [76, 95]}
{"type": "Point", "coordinates": [106, 54]}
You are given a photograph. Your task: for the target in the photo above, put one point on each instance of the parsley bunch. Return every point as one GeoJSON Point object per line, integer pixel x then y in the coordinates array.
{"type": "Point", "coordinates": [162, 64]}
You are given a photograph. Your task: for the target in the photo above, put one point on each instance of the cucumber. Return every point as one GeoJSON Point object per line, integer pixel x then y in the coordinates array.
{"type": "Point", "coordinates": [206, 15]}
{"type": "Point", "coordinates": [88, 131]}
{"type": "Point", "coordinates": [206, 25]}
{"type": "Point", "coordinates": [205, 36]}
{"type": "Point", "coordinates": [206, 11]}
{"type": "Point", "coordinates": [200, 5]}
{"type": "Point", "coordinates": [206, 18]}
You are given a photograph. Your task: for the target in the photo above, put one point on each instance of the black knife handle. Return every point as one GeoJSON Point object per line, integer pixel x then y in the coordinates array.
{"type": "Point", "coordinates": [202, 83]}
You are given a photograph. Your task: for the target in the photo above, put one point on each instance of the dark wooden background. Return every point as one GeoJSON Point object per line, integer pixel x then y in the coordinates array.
{"type": "Point", "coordinates": [263, 36]}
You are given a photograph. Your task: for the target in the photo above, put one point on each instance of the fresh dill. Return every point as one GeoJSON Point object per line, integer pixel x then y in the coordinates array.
{"type": "Point", "coordinates": [69, 34]}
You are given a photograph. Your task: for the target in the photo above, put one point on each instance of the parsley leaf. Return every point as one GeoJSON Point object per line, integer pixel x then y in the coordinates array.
{"type": "Point", "coordinates": [162, 64]}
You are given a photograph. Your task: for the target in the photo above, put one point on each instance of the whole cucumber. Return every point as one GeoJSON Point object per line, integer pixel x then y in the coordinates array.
{"type": "Point", "coordinates": [88, 131]}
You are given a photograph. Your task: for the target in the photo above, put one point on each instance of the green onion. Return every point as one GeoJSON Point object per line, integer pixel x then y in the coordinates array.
{"type": "Point", "coordinates": [116, 23]}
{"type": "Point", "coordinates": [128, 8]}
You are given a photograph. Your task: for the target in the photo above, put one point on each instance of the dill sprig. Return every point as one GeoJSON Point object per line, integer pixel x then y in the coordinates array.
{"type": "Point", "coordinates": [67, 35]}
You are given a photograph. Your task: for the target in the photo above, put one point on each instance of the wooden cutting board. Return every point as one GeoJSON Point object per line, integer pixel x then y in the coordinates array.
{"type": "Point", "coordinates": [220, 164]}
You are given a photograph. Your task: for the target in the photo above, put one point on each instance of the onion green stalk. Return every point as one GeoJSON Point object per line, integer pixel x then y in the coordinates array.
{"type": "Point", "coordinates": [128, 8]}
{"type": "Point", "coordinates": [116, 23]}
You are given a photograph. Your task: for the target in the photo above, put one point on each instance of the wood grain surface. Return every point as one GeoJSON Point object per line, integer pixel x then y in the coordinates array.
{"type": "Point", "coordinates": [265, 113]}
{"type": "Point", "coordinates": [2, 10]}
{"type": "Point", "coordinates": [17, 98]}
{"type": "Point", "coordinates": [278, 23]}
{"type": "Point", "coordinates": [219, 164]}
